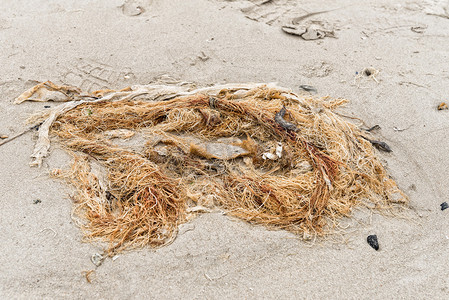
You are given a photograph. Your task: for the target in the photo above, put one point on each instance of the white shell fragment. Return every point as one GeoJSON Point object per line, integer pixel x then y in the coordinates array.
{"type": "Point", "coordinates": [271, 156]}
{"type": "Point", "coordinates": [268, 155]}
{"type": "Point", "coordinates": [97, 259]}
{"type": "Point", "coordinates": [279, 150]}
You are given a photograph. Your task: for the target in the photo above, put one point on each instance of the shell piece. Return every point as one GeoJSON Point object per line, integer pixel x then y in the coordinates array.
{"type": "Point", "coordinates": [373, 242]}
{"type": "Point", "coordinates": [97, 259]}
{"type": "Point", "coordinates": [279, 150]}
{"type": "Point", "coordinates": [268, 155]}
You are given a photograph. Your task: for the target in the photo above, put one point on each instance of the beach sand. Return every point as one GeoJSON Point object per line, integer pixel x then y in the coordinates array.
{"type": "Point", "coordinates": [119, 43]}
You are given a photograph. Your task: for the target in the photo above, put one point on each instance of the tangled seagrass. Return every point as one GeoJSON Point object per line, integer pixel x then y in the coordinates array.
{"type": "Point", "coordinates": [257, 151]}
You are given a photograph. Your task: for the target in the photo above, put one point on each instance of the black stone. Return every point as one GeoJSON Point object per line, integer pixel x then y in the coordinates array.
{"type": "Point", "coordinates": [444, 205]}
{"type": "Point", "coordinates": [372, 241]}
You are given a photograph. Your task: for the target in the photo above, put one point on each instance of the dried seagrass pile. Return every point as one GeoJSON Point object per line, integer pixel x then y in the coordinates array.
{"type": "Point", "coordinates": [259, 152]}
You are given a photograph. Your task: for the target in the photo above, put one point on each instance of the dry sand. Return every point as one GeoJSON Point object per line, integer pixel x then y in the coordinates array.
{"type": "Point", "coordinates": [95, 44]}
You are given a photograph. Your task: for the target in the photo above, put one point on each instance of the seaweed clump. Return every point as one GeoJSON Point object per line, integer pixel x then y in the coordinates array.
{"type": "Point", "coordinates": [260, 153]}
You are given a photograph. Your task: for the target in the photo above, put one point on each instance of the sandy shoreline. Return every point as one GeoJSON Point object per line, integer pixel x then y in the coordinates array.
{"type": "Point", "coordinates": [104, 45]}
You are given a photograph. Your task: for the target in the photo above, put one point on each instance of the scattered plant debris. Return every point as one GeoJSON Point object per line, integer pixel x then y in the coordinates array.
{"type": "Point", "coordinates": [88, 274]}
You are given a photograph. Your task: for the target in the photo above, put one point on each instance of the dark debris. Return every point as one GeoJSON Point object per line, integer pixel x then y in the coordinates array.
{"type": "Point", "coordinates": [279, 118]}
{"type": "Point", "coordinates": [308, 88]}
{"type": "Point", "coordinates": [373, 242]}
{"type": "Point", "coordinates": [379, 145]}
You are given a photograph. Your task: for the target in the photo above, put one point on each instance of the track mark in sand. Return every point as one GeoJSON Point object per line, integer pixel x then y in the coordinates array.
{"type": "Point", "coordinates": [408, 163]}
{"type": "Point", "coordinates": [197, 60]}
{"type": "Point", "coordinates": [91, 75]}
{"type": "Point", "coordinates": [270, 12]}
{"type": "Point", "coordinates": [292, 16]}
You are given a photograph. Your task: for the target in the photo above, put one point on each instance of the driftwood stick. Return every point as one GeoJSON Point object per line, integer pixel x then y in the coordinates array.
{"type": "Point", "coordinates": [20, 134]}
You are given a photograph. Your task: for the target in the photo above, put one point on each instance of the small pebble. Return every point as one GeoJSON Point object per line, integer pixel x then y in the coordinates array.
{"type": "Point", "coordinates": [3, 137]}
{"type": "Point", "coordinates": [47, 106]}
{"type": "Point", "coordinates": [444, 205]}
{"type": "Point", "coordinates": [37, 201]}
{"type": "Point", "coordinates": [372, 241]}
{"type": "Point", "coordinates": [442, 106]}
